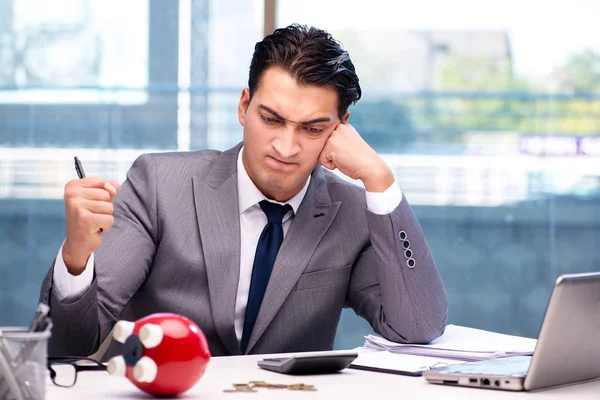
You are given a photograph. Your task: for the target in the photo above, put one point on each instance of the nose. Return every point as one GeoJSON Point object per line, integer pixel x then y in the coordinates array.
{"type": "Point", "coordinates": [285, 143]}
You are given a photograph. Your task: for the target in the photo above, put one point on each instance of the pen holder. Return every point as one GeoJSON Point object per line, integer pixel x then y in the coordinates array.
{"type": "Point", "coordinates": [23, 358]}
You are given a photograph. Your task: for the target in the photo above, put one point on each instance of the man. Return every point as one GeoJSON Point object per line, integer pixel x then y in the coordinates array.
{"type": "Point", "coordinates": [206, 234]}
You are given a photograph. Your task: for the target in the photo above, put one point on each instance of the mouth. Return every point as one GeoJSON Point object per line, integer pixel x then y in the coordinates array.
{"type": "Point", "coordinates": [280, 165]}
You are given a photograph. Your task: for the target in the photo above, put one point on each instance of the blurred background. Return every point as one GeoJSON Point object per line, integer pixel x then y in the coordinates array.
{"type": "Point", "coordinates": [488, 113]}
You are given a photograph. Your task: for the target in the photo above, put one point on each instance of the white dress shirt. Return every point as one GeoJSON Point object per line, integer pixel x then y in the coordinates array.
{"type": "Point", "coordinates": [252, 222]}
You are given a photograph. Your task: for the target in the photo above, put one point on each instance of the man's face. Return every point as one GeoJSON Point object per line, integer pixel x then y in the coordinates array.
{"type": "Point", "coordinates": [286, 126]}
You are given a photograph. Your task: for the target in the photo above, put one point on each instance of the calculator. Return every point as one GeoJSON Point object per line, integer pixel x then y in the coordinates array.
{"type": "Point", "coordinates": [325, 362]}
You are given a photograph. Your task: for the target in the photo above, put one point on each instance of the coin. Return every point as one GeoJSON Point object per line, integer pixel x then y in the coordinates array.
{"type": "Point", "coordinates": [301, 386]}
{"type": "Point", "coordinates": [252, 385]}
{"type": "Point", "coordinates": [277, 386]}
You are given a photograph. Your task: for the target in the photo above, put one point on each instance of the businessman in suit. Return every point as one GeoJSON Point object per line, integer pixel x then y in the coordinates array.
{"type": "Point", "coordinates": [261, 245]}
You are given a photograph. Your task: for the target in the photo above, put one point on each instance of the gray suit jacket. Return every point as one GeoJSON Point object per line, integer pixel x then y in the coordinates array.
{"type": "Point", "coordinates": [175, 247]}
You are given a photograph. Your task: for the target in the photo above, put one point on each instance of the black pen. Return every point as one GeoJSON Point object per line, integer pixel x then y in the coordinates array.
{"type": "Point", "coordinates": [79, 168]}
{"type": "Point", "coordinates": [81, 175]}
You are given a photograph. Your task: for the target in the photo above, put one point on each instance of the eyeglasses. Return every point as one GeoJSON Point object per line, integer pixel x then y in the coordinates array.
{"type": "Point", "coordinates": [63, 370]}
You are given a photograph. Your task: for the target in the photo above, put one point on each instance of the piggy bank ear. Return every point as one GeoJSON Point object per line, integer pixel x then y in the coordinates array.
{"type": "Point", "coordinates": [151, 335]}
{"type": "Point", "coordinates": [122, 330]}
{"type": "Point", "coordinates": [145, 370]}
{"type": "Point", "coordinates": [116, 366]}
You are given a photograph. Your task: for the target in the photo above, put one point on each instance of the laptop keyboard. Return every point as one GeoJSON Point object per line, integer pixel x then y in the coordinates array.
{"type": "Point", "coordinates": [507, 366]}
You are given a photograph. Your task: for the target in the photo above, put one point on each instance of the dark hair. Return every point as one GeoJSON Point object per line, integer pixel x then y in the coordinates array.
{"type": "Point", "coordinates": [312, 56]}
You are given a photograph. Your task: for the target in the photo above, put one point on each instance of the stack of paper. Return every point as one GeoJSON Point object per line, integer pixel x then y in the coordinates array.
{"type": "Point", "coordinates": [403, 364]}
{"type": "Point", "coordinates": [460, 343]}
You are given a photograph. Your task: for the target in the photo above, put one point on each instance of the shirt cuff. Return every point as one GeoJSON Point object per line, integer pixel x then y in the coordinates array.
{"type": "Point", "coordinates": [71, 287]}
{"type": "Point", "coordinates": [385, 202]}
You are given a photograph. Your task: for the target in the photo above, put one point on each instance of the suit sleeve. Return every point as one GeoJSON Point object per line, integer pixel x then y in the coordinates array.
{"type": "Point", "coordinates": [121, 265]}
{"type": "Point", "coordinates": [395, 284]}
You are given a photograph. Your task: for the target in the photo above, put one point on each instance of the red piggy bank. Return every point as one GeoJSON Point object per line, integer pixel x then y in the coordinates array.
{"type": "Point", "coordinates": [164, 354]}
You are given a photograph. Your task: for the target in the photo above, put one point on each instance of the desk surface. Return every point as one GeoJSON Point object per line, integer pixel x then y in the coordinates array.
{"type": "Point", "coordinates": [223, 372]}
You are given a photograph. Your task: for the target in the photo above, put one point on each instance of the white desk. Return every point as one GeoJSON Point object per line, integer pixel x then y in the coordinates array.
{"type": "Point", "coordinates": [222, 372]}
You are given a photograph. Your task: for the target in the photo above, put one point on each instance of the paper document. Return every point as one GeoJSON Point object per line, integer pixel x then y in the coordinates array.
{"type": "Point", "coordinates": [460, 343]}
{"type": "Point", "coordinates": [404, 364]}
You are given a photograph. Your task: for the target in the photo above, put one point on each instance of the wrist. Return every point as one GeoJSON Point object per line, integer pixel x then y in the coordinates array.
{"type": "Point", "coordinates": [75, 261]}
{"type": "Point", "coordinates": [378, 180]}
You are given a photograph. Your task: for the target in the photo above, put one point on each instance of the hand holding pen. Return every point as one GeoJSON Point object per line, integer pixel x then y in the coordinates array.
{"type": "Point", "coordinates": [88, 213]}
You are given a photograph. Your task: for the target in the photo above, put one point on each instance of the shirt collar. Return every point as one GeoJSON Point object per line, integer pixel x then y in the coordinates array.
{"type": "Point", "coordinates": [249, 195]}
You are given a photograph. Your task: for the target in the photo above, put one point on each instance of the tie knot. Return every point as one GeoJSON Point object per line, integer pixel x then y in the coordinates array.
{"type": "Point", "coordinates": [274, 212]}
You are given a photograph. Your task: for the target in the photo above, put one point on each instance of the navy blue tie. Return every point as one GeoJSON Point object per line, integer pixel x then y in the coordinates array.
{"type": "Point", "coordinates": [266, 252]}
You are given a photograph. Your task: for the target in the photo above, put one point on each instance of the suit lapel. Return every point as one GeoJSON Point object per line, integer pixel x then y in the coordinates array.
{"type": "Point", "coordinates": [315, 215]}
{"type": "Point", "coordinates": [216, 200]}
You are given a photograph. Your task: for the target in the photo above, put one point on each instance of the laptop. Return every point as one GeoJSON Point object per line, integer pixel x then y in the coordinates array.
{"type": "Point", "coordinates": [567, 350]}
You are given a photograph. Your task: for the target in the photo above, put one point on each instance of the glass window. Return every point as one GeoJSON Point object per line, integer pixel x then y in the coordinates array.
{"type": "Point", "coordinates": [486, 111]}
{"type": "Point", "coordinates": [105, 81]}
{"type": "Point", "coordinates": [488, 114]}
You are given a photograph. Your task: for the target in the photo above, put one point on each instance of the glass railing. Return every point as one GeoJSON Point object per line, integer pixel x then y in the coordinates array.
{"type": "Point", "coordinates": [505, 185]}
{"type": "Point", "coordinates": [460, 148]}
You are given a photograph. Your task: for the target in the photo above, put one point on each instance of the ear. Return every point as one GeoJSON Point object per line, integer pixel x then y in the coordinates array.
{"type": "Point", "coordinates": [243, 106]}
{"type": "Point", "coordinates": [345, 117]}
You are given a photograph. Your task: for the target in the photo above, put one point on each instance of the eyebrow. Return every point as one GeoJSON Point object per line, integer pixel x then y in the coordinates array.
{"type": "Point", "coordinates": [309, 122]}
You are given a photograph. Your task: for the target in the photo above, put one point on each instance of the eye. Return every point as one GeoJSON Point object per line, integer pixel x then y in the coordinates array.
{"type": "Point", "coordinates": [270, 120]}
{"type": "Point", "coordinates": [312, 130]}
